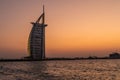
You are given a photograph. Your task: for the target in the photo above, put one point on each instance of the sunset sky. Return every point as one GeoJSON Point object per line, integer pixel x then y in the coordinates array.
{"type": "Point", "coordinates": [76, 28]}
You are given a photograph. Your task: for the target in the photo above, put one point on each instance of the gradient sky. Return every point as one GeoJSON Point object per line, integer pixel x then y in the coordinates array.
{"type": "Point", "coordinates": [75, 28]}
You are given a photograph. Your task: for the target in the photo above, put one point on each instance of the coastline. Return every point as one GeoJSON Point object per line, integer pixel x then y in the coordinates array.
{"type": "Point", "coordinates": [51, 59]}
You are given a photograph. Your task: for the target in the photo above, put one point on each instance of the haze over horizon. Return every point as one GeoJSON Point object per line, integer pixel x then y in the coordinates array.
{"type": "Point", "coordinates": [76, 28]}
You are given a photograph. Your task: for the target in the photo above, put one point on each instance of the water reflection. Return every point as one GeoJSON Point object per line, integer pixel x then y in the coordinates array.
{"type": "Point", "coordinates": [61, 70]}
{"type": "Point", "coordinates": [39, 70]}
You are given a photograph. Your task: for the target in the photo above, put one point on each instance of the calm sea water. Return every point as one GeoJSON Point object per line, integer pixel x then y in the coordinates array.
{"type": "Point", "coordinates": [61, 70]}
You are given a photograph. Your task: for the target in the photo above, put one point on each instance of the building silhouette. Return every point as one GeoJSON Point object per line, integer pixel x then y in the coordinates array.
{"type": "Point", "coordinates": [36, 41]}
{"type": "Point", "coordinates": [114, 55]}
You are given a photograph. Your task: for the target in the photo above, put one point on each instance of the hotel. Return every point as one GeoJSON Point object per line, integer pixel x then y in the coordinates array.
{"type": "Point", "coordinates": [36, 41]}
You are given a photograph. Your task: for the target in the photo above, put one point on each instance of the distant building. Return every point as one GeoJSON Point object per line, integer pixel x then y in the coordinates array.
{"type": "Point", "coordinates": [114, 55]}
{"type": "Point", "coordinates": [36, 41]}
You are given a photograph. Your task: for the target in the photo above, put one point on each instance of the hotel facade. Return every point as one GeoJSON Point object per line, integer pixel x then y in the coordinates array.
{"type": "Point", "coordinates": [36, 41]}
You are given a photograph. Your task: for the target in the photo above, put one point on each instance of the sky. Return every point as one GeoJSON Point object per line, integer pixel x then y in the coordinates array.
{"type": "Point", "coordinates": [76, 28]}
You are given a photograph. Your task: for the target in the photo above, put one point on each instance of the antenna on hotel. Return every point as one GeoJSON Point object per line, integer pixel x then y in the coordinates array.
{"type": "Point", "coordinates": [42, 16]}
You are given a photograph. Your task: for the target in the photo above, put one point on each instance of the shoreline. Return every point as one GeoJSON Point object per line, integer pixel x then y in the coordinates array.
{"type": "Point", "coordinates": [52, 59]}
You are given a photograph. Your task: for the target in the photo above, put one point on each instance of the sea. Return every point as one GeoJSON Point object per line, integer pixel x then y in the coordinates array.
{"type": "Point", "coordinates": [61, 70]}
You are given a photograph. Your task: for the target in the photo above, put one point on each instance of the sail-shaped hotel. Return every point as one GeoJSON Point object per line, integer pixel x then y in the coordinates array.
{"type": "Point", "coordinates": [36, 41]}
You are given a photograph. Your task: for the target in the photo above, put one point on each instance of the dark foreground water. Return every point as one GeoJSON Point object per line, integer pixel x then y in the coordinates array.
{"type": "Point", "coordinates": [61, 70]}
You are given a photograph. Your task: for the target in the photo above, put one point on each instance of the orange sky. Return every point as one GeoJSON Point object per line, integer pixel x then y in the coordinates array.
{"type": "Point", "coordinates": [75, 27]}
